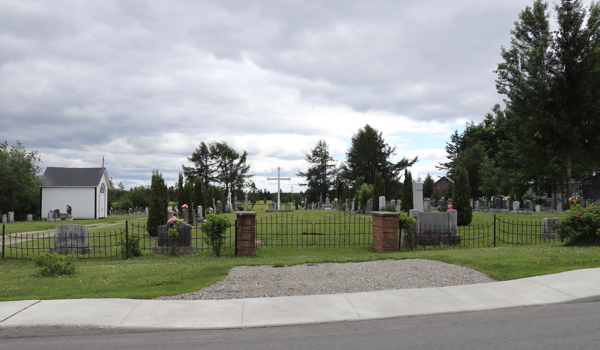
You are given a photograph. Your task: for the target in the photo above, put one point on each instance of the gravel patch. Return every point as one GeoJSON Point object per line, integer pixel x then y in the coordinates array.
{"type": "Point", "coordinates": [332, 278]}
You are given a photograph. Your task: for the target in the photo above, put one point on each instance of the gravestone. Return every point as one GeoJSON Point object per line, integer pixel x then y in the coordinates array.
{"type": "Point", "coordinates": [11, 217]}
{"type": "Point", "coordinates": [418, 195]}
{"type": "Point", "coordinates": [184, 215]}
{"type": "Point", "coordinates": [146, 211]}
{"type": "Point", "coordinates": [370, 205]}
{"type": "Point", "coordinates": [538, 208]}
{"type": "Point", "coordinates": [56, 215]}
{"type": "Point", "coordinates": [413, 213]}
{"type": "Point", "coordinates": [426, 206]}
{"type": "Point", "coordinates": [497, 202]}
{"type": "Point", "coordinates": [471, 203]}
{"type": "Point", "coordinates": [181, 242]}
{"type": "Point", "coordinates": [516, 205]}
{"type": "Point", "coordinates": [559, 208]}
{"type": "Point", "coordinates": [549, 229]}
{"type": "Point", "coordinates": [327, 205]}
{"type": "Point", "coordinates": [353, 204]}
{"type": "Point", "coordinates": [218, 208]}
{"type": "Point", "coordinates": [29, 218]}
{"type": "Point", "coordinates": [4, 218]}
{"type": "Point", "coordinates": [229, 206]}
{"type": "Point", "coordinates": [199, 213]}
{"type": "Point", "coordinates": [398, 205]}
{"type": "Point", "coordinates": [71, 239]}
{"type": "Point", "coordinates": [529, 205]}
{"type": "Point", "coordinates": [214, 205]}
{"type": "Point", "coordinates": [246, 202]}
{"type": "Point", "coordinates": [477, 205]}
{"type": "Point", "coordinates": [381, 203]}
{"type": "Point", "coordinates": [434, 229]}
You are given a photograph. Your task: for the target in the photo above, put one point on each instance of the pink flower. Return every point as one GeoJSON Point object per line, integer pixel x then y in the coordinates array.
{"type": "Point", "coordinates": [449, 207]}
{"type": "Point", "coordinates": [172, 220]}
{"type": "Point", "coordinates": [579, 217]}
{"type": "Point", "coordinates": [185, 206]}
{"type": "Point", "coordinates": [593, 208]}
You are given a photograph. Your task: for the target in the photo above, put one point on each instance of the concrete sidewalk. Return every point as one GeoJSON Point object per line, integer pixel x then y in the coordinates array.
{"type": "Point", "coordinates": [203, 314]}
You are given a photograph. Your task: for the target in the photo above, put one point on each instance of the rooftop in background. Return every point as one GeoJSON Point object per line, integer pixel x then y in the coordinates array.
{"type": "Point", "coordinates": [71, 177]}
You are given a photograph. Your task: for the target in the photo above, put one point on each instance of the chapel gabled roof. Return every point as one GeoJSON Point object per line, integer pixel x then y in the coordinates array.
{"type": "Point", "coordinates": [71, 177]}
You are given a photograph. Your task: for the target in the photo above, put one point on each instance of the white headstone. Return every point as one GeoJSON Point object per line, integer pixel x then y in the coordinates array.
{"type": "Point", "coordinates": [11, 217]}
{"type": "Point", "coordinates": [246, 202]}
{"type": "Point", "coordinates": [418, 196]}
{"type": "Point", "coordinates": [538, 208]}
{"type": "Point", "coordinates": [381, 203]}
{"type": "Point", "coordinates": [559, 208]}
{"type": "Point", "coordinates": [4, 218]}
{"type": "Point", "coordinates": [29, 218]}
{"type": "Point", "coordinates": [516, 205]}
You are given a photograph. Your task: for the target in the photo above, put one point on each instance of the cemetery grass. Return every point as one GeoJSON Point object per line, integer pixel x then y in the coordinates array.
{"type": "Point", "coordinates": [50, 226]}
{"type": "Point", "coordinates": [152, 275]}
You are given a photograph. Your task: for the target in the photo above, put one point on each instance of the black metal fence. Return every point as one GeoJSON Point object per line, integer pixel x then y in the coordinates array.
{"type": "Point", "coordinates": [501, 232]}
{"type": "Point", "coordinates": [284, 230]}
{"type": "Point", "coordinates": [110, 244]}
{"type": "Point", "coordinates": [341, 230]}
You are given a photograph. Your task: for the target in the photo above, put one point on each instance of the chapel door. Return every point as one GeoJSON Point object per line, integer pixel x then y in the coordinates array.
{"type": "Point", "coordinates": [101, 211]}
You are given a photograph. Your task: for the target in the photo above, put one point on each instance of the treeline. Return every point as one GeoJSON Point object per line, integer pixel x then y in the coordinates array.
{"type": "Point", "coordinates": [19, 176]}
{"type": "Point", "coordinates": [547, 138]}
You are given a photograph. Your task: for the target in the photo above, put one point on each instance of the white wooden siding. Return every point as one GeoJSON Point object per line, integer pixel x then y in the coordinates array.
{"type": "Point", "coordinates": [81, 198]}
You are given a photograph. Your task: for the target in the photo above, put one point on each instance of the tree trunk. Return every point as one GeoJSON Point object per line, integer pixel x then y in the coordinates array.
{"type": "Point", "coordinates": [569, 173]}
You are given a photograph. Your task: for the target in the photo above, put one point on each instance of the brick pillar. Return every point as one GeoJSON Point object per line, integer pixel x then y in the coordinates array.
{"type": "Point", "coordinates": [245, 242]}
{"type": "Point", "coordinates": [385, 231]}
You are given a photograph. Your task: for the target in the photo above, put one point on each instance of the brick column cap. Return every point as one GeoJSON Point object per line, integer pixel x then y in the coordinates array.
{"type": "Point", "coordinates": [384, 213]}
{"type": "Point", "coordinates": [245, 213]}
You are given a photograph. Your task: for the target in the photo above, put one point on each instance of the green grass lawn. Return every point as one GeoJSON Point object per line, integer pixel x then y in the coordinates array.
{"type": "Point", "coordinates": [155, 275]}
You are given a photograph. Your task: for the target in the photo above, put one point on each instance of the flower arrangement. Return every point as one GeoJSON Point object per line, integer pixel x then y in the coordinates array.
{"type": "Point", "coordinates": [185, 206]}
{"type": "Point", "coordinates": [174, 224]}
{"type": "Point", "coordinates": [575, 200]}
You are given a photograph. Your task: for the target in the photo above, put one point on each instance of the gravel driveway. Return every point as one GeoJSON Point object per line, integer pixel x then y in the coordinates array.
{"type": "Point", "coordinates": [330, 278]}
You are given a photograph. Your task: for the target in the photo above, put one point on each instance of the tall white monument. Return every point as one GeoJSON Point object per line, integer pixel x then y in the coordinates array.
{"type": "Point", "coordinates": [279, 179]}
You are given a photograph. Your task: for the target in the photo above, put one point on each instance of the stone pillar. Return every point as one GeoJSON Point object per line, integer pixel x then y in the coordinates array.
{"type": "Point", "coordinates": [385, 231]}
{"type": "Point", "coordinates": [418, 195]}
{"type": "Point", "coordinates": [245, 242]}
{"type": "Point", "coordinates": [246, 202]}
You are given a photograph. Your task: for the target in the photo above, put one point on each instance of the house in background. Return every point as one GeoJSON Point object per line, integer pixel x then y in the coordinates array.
{"type": "Point", "coordinates": [442, 184]}
{"type": "Point", "coordinates": [85, 189]}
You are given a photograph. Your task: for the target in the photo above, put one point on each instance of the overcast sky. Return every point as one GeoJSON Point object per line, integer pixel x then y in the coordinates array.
{"type": "Point", "coordinates": [142, 83]}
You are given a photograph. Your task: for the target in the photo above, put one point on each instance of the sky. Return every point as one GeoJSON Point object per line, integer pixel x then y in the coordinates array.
{"type": "Point", "coordinates": [142, 83]}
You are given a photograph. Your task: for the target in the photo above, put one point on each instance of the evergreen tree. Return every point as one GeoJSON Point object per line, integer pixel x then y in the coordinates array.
{"type": "Point", "coordinates": [428, 187]}
{"type": "Point", "coordinates": [407, 192]}
{"type": "Point", "coordinates": [370, 153]}
{"type": "Point", "coordinates": [198, 195]}
{"type": "Point", "coordinates": [321, 171]}
{"type": "Point", "coordinates": [157, 210]}
{"type": "Point", "coordinates": [462, 195]}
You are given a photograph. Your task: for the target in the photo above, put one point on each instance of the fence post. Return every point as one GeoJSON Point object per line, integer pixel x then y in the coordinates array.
{"type": "Point", "coordinates": [385, 231]}
{"type": "Point", "coordinates": [245, 233]}
{"type": "Point", "coordinates": [126, 239]}
{"type": "Point", "coordinates": [494, 230]}
{"type": "Point", "coordinates": [3, 241]}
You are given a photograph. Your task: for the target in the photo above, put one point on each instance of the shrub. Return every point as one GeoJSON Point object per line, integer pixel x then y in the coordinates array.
{"type": "Point", "coordinates": [131, 247]}
{"type": "Point", "coordinates": [405, 221]}
{"type": "Point", "coordinates": [580, 226]}
{"type": "Point", "coordinates": [215, 227]}
{"type": "Point", "coordinates": [389, 208]}
{"type": "Point", "coordinates": [53, 264]}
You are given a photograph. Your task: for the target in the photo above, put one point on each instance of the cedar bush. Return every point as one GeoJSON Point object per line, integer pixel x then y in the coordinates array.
{"type": "Point", "coordinates": [215, 227]}
{"type": "Point", "coordinates": [159, 202]}
{"type": "Point", "coordinates": [461, 196]}
{"type": "Point", "coordinates": [407, 192]}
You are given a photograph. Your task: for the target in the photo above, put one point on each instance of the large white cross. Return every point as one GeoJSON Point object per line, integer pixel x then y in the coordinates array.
{"type": "Point", "coordinates": [279, 178]}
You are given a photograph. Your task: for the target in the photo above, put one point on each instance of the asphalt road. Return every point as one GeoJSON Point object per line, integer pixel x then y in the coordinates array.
{"type": "Point", "coordinates": [561, 326]}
